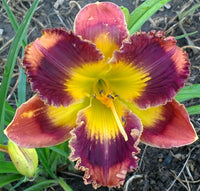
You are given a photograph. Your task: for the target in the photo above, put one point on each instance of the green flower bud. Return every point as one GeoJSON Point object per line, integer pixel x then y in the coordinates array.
{"type": "Point", "coordinates": [25, 160]}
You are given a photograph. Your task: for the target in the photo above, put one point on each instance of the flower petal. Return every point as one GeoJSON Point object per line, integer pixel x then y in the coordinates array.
{"type": "Point", "coordinates": [127, 81]}
{"type": "Point", "coordinates": [166, 126]}
{"type": "Point", "coordinates": [49, 61]}
{"type": "Point", "coordinates": [100, 148]}
{"type": "Point", "coordinates": [38, 125]}
{"type": "Point", "coordinates": [104, 24]}
{"type": "Point", "coordinates": [166, 64]}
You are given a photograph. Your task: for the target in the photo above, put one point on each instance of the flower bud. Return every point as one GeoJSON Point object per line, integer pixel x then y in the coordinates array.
{"type": "Point", "coordinates": [25, 160]}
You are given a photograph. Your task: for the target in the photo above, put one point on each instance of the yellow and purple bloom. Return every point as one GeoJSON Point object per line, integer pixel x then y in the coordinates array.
{"type": "Point", "coordinates": [106, 91]}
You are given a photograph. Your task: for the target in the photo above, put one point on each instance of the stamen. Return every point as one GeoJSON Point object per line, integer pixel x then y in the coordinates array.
{"type": "Point", "coordinates": [120, 126]}
{"type": "Point", "coordinates": [123, 120]}
{"type": "Point", "coordinates": [100, 92]}
{"type": "Point", "coordinates": [110, 96]}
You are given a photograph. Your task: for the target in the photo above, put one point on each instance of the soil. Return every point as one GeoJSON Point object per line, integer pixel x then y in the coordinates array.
{"type": "Point", "coordinates": [176, 169]}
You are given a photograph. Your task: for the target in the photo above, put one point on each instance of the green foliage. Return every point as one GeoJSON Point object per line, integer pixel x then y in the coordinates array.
{"type": "Point", "coordinates": [9, 113]}
{"type": "Point", "coordinates": [48, 158]}
{"type": "Point", "coordinates": [52, 157]}
{"type": "Point", "coordinates": [64, 185]}
{"type": "Point", "coordinates": [21, 90]}
{"type": "Point", "coordinates": [188, 92]}
{"type": "Point", "coordinates": [12, 56]}
{"type": "Point", "coordinates": [189, 11]}
{"type": "Point", "coordinates": [22, 77]}
{"type": "Point", "coordinates": [193, 110]}
{"type": "Point", "coordinates": [7, 167]}
{"type": "Point", "coordinates": [41, 185]}
{"type": "Point", "coordinates": [44, 161]}
{"type": "Point", "coordinates": [143, 12]}
{"type": "Point", "coordinates": [126, 14]}
{"type": "Point", "coordinates": [185, 35]}
{"type": "Point", "coordinates": [4, 180]}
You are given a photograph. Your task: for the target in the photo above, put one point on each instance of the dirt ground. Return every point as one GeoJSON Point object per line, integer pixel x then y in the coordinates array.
{"type": "Point", "coordinates": [176, 169]}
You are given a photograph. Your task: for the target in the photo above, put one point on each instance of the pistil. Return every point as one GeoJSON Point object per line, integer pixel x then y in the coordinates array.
{"type": "Point", "coordinates": [104, 95]}
{"type": "Point", "coordinates": [108, 101]}
{"type": "Point", "coordinates": [119, 124]}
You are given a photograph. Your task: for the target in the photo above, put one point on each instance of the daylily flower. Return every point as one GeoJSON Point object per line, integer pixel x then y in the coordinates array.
{"type": "Point", "coordinates": [105, 91]}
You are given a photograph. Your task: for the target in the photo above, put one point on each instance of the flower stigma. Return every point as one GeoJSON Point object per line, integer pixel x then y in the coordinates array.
{"type": "Point", "coordinates": [104, 95]}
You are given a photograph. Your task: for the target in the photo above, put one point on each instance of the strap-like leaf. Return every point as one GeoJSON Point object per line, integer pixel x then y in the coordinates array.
{"type": "Point", "coordinates": [188, 92]}
{"type": "Point", "coordinates": [7, 167]}
{"type": "Point", "coordinates": [6, 179]}
{"type": "Point", "coordinates": [143, 12]}
{"type": "Point", "coordinates": [64, 185]}
{"type": "Point", "coordinates": [41, 185]}
{"type": "Point", "coordinates": [12, 55]}
{"type": "Point", "coordinates": [9, 113]}
{"type": "Point", "coordinates": [193, 110]}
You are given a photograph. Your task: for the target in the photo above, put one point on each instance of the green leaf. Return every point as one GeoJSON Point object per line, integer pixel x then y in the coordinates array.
{"type": "Point", "coordinates": [193, 110]}
{"type": "Point", "coordinates": [2, 117]}
{"type": "Point", "coordinates": [185, 35]}
{"type": "Point", "coordinates": [188, 92]}
{"type": "Point", "coordinates": [44, 161]}
{"type": "Point", "coordinates": [18, 184]}
{"type": "Point", "coordinates": [22, 77]}
{"type": "Point", "coordinates": [7, 167]}
{"type": "Point", "coordinates": [189, 11]}
{"type": "Point", "coordinates": [41, 185]}
{"type": "Point", "coordinates": [9, 108]}
{"type": "Point", "coordinates": [126, 14]}
{"type": "Point", "coordinates": [55, 161]}
{"type": "Point", "coordinates": [59, 151]}
{"type": "Point", "coordinates": [143, 12]}
{"type": "Point", "coordinates": [64, 185]}
{"type": "Point", "coordinates": [21, 90]}
{"type": "Point", "coordinates": [12, 56]}
{"type": "Point", "coordinates": [6, 179]}
{"type": "Point", "coordinates": [9, 113]}
{"type": "Point", "coordinates": [12, 18]}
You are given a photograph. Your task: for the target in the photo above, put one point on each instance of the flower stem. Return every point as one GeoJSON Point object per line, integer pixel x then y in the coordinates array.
{"type": "Point", "coordinates": [4, 148]}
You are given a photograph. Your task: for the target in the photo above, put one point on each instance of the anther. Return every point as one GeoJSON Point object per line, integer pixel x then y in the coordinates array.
{"type": "Point", "coordinates": [110, 96]}
{"type": "Point", "coordinates": [123, 120]}
{"type": "Point", "coordinates": [119, 124]}
{"type": "Point", "coordinates": [101, 91]}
